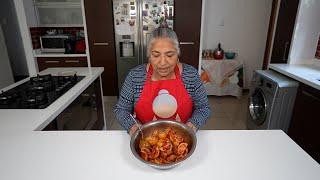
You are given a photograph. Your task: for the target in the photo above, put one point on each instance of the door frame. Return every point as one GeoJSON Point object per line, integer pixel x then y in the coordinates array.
{"type": "Point", "coordinates": [271, 33]}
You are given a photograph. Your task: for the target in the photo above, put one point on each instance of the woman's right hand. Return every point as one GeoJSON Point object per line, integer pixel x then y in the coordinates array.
{"type": "Point", "coordinates": [133, 129]}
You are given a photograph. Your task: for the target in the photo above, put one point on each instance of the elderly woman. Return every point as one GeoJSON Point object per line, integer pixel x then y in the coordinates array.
{"type": "Point", "coordinates": [164, 88]}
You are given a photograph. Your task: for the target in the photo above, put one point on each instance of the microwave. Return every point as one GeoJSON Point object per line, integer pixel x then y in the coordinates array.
{"type": "Point", "coordinates": [53, 43]}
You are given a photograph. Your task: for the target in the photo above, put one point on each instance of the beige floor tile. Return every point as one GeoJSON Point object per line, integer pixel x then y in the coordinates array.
{"type": "Point", "coordinates": [228, 112]}
{"type": "Point", "coordinates": [217, 108]}
{"type": "Point", "coordinates": [239, 124]}
{"type": "Point", "coordinates": [111, 99]}
{"type": "Point", "coordinates": [235, 111]}
{"type": "Point", "coordinates": [115, 126]}
{"type": "Point", "coordinates": [109, 103]}
{"type": "Point", "coordinates": [218, 123]}
{"type": "Point", "coordinates": [217, 111]}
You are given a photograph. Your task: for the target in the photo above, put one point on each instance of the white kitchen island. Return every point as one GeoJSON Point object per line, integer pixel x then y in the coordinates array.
{"type": "Point", "coordinates": [103, 155]}
{"type": "Point", "coordinates": [29, 154]}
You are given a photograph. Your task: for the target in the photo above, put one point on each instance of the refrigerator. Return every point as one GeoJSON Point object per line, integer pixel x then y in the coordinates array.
{"type": "Point", "coordinates": [134, 20]}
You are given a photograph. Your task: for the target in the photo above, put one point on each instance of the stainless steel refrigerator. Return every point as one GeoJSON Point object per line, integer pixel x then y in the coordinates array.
{"type": "Point", "coordinates": [134, 20]}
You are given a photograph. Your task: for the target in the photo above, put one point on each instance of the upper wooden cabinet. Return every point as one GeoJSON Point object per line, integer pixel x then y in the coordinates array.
{"type": "Point", "coordinates": [284, 31]}
{"type": "Point", "coordinates": [187, 25]}
{"type": "Point", "coordinates": [59, 13]}
{"type": "Point", "coordinates": [99, 19]}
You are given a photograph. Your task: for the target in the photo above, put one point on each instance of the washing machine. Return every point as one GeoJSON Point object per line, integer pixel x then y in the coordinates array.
{"type": "Point", "coordinates": [271, 100]}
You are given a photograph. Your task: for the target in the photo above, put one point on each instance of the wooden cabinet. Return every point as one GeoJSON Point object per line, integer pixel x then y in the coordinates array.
{"type": "Point", "coordinates": [59, 13]}
{"type": "Point", "coordinates": [99, 19]}
{"type": "Point", "coordinates": [284, 31]}
{"type": "Point", "coordinates": [305, 124]}
{"type": "Point", "coordinates": [84, 113]}
{"type": "Point", "coordinates": [187, 25]}
{"type": "Point", "coordinates": [47, 62]}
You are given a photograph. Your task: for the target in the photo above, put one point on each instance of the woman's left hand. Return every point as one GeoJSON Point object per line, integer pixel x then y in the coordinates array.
{"type": "Point", "coordinates": [192, 126]}
{"type": "Point", "coordinates": [133, 129]}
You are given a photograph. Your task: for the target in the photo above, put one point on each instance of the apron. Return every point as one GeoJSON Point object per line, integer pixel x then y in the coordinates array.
{"type": "Point", "coordinates": [164, 99]}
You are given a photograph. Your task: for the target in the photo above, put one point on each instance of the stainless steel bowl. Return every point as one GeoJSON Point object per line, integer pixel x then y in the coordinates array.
{"type": "Point", "coordinates": [181, 129]}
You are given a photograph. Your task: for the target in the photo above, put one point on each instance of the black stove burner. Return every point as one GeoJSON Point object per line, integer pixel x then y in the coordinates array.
{"type": "Point", "coordinates": [8, 98]}
{"type": "Point", "coordinates": [41, 79]}
{"type": "Point", "coordinates": [37, 93]}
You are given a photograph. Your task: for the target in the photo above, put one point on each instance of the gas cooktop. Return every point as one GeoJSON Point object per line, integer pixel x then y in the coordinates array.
{"type": "Point", "coordinates": [37, 93]}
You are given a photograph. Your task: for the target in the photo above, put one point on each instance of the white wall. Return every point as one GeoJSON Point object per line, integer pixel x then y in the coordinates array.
{"type": "Point", "coordinates": [6, 76]}
{"type": "Point", "coordinates": [241, 26]}
{"type": "Point", "coordinates": [10, 28]}
{"type": "Point", "coordinates": [30, 13]}
{"type": "Point", "coordinates": [26, 37]}
{"type": "Point", "coordinates": [306, 33]}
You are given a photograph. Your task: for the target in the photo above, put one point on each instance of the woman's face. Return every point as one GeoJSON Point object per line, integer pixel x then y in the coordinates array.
{"type": "Point", "coordinates": [163, 57]}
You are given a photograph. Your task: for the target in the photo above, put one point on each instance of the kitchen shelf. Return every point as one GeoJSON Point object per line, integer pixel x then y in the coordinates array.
{"type": "Point", "coordinates": [60, 55]}
{"type": "Point", "coordinates": [38, 53]}
{"type": "Point", "coordinates": [59, 14]}
{"type": "Point", "coordinates": [58, 4]}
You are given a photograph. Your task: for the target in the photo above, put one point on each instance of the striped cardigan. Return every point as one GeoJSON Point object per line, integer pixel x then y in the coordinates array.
{"type": "Point", "coordinates": [133, 86]}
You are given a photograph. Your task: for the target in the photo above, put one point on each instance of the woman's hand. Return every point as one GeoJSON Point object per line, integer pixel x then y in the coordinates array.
{"type": "Point", "coordinates": [134, 128]}
{"type": "Point", "coordinates": [192, 126]}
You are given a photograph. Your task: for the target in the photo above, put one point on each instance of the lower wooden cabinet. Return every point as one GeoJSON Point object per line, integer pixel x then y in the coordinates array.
{"type": "Point", "coordinates": [47, 62]}
{"type": "Point", "coordinates": [305, 123]}
{"type": "Point", "coordinates": [84, 113]}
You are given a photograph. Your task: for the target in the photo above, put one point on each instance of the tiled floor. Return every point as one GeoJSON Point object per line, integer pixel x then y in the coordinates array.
{"type": "Point", "coordinates": [227, 112]}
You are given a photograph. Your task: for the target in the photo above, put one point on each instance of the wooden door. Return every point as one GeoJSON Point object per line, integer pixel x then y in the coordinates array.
{"type": "Point", "coordinates": [187, 25]}
{"type": "Point", "coordinates": [284, 30]}
{"type": "Point", "coordinates": [271, 30]}
{"type": "Point", "coordinates": [99, 17]}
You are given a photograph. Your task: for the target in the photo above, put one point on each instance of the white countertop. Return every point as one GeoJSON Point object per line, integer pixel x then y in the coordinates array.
{"type": "Point", "coordinates": [307, 74]}
{"type": "Point", "coordinates": [102, 155]}
{"type": "Point", "coordinates": [37, 119]}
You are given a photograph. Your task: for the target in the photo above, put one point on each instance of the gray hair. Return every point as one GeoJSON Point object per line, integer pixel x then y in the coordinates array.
{"type": "Point", "coordinates": [163, 33]}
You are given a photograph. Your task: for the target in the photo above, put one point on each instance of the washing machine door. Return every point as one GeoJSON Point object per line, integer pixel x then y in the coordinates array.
{"type": "Point", "coordinates": [258, 106]}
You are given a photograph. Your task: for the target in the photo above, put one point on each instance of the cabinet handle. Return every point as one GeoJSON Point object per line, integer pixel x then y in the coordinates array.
{"type": "Point", "coordinates": [285, 51]}
{"type": "Point", "coordinates": [310, 95]}
{"type": "Point", "coordinates": [72, 61]}
{"type": "Point", "coordinates": [186, 43]}
{"type": "Point", "coordinates": [51, 62]}
{"type": "Point", "coordinates": [100, 44]}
